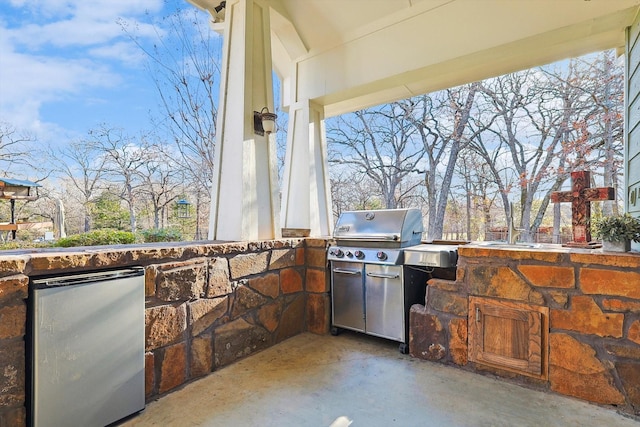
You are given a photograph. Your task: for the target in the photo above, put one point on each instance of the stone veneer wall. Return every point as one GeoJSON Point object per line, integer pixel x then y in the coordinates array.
{"type": "Point", "coordinates": [594, 302]}
{"type": "Point", "coordinates": [207, 305]}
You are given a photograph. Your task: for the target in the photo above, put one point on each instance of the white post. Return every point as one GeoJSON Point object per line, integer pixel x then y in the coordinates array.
{"type": "Point", "coordinates": [244, 195]}
{"type": "Point", "coordinates": [306, 196]}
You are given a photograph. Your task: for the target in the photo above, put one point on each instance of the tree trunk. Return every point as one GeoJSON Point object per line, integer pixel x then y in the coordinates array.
{"type": "Point", "coordinates": [87, 220]}
{"type": "Point", "coordinates": [456, 145]}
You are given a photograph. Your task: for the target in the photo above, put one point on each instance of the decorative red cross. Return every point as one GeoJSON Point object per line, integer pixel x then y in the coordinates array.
{"type": "Point", "coordinates": [581, 196]}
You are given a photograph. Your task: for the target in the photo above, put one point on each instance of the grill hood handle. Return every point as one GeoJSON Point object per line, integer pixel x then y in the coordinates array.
{"type": "Point", "coordinates": [369, 237]}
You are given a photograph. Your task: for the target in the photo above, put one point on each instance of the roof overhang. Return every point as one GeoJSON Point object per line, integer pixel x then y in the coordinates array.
{"type": "Point", "coordinates": [351, 54]}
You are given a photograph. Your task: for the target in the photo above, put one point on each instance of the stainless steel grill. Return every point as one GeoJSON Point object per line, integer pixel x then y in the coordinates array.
{"type": "Point", "coordinates": [388, 228]}
{"type": "Point", "coordinates": [372, 284]}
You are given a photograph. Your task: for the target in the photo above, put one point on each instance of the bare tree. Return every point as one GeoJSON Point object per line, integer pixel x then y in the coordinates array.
{"type": "Point", "coordinates": [81, 164]}
{"type": "Point", "coordinates": [352, 190]}
{"type": "Point", "coordinates": [161, 179]}
{"type": "Point", "coordinates": [440, 121]}
{"type": "Point", "coordinates": [378, 143]}
{"type": "Point", "coordinates": [391, 143]}
{"type": "Point", "coordinates": [528, 130]}
{"type": "Point", "coordinates": [535, 135]}
{"type": "Point", "coordinates": [124, 158]}
{"type": "Point", "coordinates": [479, 191]}
{"type": "Point", "coordinates": [602, 128]}
{"type": "Point", "coordinates": [15, 147]}
{"type": "Point", "coordinates": [184, 64]}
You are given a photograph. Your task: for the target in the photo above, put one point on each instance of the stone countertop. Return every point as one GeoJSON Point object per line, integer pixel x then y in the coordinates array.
{"type": "Point", "coordinates": [106, 248]}
{"type": "Point", "coordinates": [55, 260]}
{"type": "Point", "coordinates": [552, 253]}
{"type": "Point", "coordinates": [520, 247]}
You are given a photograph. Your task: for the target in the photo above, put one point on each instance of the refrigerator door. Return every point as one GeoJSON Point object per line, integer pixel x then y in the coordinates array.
{"type": "Point", "coordinates": [88, 349]}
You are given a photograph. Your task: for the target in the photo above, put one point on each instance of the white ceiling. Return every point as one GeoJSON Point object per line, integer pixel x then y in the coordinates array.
{"type": "Point", "coordinates": [352, 54]}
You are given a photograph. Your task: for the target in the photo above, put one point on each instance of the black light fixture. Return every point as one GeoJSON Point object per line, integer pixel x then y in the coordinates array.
{"type": "Point", "coordinates": [219, 12]}
{"type": "Point", "coordinates": [264, 122]}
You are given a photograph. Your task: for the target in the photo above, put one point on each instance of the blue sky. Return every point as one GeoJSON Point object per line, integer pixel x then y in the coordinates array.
{"type": "Point", "coordinates": [67, 66]}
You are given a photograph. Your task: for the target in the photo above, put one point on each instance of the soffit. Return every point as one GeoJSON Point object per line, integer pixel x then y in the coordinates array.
{"type": "Point", "coordinates": [355, 53]}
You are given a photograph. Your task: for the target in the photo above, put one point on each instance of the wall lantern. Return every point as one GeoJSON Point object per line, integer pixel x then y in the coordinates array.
{"type": "Point", "coordinates": [184, 208]}
{"type": "Point", "coordinates": [264, 122]}
{"type": "Point", "coordinates": [218, 12]}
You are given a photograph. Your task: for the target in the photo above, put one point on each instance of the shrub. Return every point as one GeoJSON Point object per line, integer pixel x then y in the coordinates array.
{"type": "Point", "coordinates": [98, 237]}
{"type": "Point", "coordinates": [617, 228]}
{"type": "Point", "coordinates": [170, 234]}
{"type": "Point", "coordinates": [23, 244]}
{"type": "Point", "coordinates": [25, 239]}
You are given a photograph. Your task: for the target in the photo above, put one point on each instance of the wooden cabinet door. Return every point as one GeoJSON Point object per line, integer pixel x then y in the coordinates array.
{"type": "Point", "coordinates": [509, 335]}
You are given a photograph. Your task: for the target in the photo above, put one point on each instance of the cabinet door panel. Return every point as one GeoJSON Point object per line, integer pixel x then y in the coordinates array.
{"type": "Point", "coordinates": [347, 289]}
{"type": "Point", "coordinates": [385, 301]}
{"type": "Point", "coordinates": [508, 335]}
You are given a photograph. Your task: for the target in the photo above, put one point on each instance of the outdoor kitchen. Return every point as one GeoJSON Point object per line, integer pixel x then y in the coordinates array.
{"type": "Point", "coordinates": [319, 266]}
{"type": "Point", "coordinates": [565, 319]}
{"type": "Point", "coordinates": [208, 305]}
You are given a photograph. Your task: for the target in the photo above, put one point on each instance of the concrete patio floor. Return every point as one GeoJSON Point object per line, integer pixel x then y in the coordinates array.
{"type": "Point", "coordinates": [311, 380]}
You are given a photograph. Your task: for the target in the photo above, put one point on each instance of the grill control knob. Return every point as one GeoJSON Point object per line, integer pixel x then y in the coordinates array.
{"type": "Point", "coordinates": [359, 254]}
{"type": "Point", "coordinates": [336, 252]}
{"type": "Point", "coordinates": [381, 256]}
{"type": "Point", "coordinates": [349, 254]}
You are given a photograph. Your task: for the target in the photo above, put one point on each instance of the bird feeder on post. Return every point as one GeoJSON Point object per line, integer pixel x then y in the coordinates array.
{"type": "Point", "coordinates": [183, 208]}
{"type": "Point", "coordinates": [12, 190]}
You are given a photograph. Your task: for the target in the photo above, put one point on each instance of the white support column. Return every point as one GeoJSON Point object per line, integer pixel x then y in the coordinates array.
{"type": "Point", "coordinates": [244, 195]}
{"type": "Point", "coordinates": [306, 196]}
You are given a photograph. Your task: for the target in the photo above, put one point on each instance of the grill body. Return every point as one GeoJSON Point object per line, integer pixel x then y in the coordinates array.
{"type": "Point", "coordinates": [371, 288]}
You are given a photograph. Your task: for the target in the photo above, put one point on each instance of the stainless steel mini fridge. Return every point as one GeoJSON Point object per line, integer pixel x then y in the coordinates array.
{"type": "Point", "coordinates": [87, 348]}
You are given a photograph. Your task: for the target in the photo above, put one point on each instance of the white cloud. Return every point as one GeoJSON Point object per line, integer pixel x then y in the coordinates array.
{"type": "Point", "coordinates": [28, 81]}
{"type": "Point", "coordinates": [68, 33]}
{"type": "Point", "coordinates": [79, 23]}
{"type": "Point", "coordinates": [54, 50]}
{"type": "Point", "coordinates": [124, 52]}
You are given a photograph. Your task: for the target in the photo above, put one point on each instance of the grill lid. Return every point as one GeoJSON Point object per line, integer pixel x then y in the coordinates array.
{"type": "Point", "coordinates": [383, 227]}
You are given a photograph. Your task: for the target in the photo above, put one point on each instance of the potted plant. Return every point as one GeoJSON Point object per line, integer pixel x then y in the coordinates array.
{"type": "Point", "coordinates": [617, 232]}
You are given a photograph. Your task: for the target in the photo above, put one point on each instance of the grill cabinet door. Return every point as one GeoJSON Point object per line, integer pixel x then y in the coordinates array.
{"type": "Point", "coordinates": [347, 295]}
{"type": "Point", "coordinates": [385, 301]}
